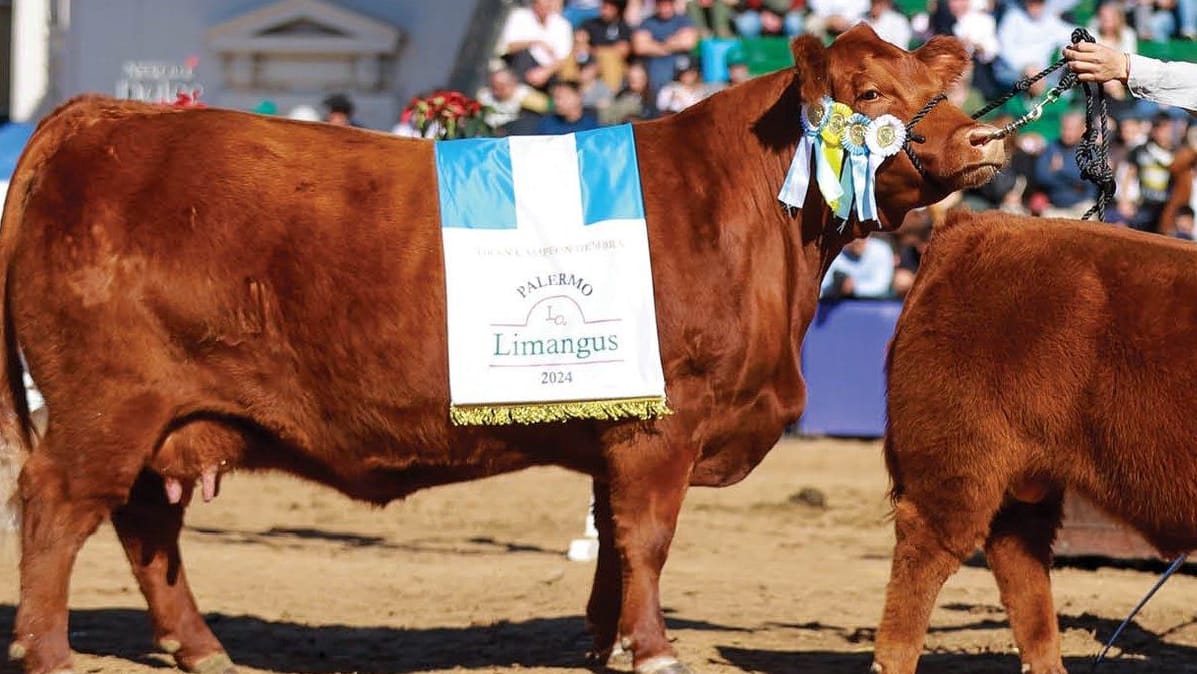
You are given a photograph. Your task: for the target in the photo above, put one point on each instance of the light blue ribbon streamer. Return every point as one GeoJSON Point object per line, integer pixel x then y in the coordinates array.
{"type": "Point", "coordinates": [843, 209]}
{"type": "Point", "coordinates": [864, 176]}
{"type": "Point", "coordinates": [793, 190]}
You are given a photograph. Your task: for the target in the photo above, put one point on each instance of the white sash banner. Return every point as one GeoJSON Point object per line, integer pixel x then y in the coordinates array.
{"type": "Point", "coordinates": [548, 281]}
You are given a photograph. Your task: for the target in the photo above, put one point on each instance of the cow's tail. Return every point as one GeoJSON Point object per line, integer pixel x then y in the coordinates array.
{"type": "Point", "coordinates": [17, 434]}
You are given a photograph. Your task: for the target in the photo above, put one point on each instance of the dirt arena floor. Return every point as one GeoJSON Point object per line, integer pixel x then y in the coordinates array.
{"type": "Point", "coordinates": [296, 578]}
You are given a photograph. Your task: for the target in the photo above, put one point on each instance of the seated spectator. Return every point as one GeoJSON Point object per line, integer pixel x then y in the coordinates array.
{"type": "Point", "coordinates": [595, 92]}
{"type": "Point", "coordinates": [977, 30]}
{"type": "Point", "coordinates": [913, 238]}
{"type": "Point", "coordinates": [712, 18]}
{"type": "Point", "coordinates": [1156, 20]}
{"type": "Point", "coordinates": [338, 110]}
{"type": "Point", "coordinates": [737, 67]}
{"type": "Point", "coordinates": [1028, 37]}
{"type": "Point", "coordinates": [1057, 174]}
{"type": "Point", "coordinates": [568, 115]}
{"type": "Point", "coordinates": [577, 12]}
{"type": "Point", "coordinates": [684, 91]}
{"type": "Point", "coordinates": [769, 17]}
{"type": "Point", "coordinates": [632, 103]}
{"type": "Point", "coordinates": [829, 18]}
{"type": "Point", "coordinates": [890, 25]}
{"type": "Point", "coordinates": [865, 269]}
{"type": "Point", "coordinates": [660, 39]}
{"type": "Point", "coordinates": [1184, 223]}
{"type": "Point", "coordinates": [737, 70]}
{"type": "Point", "coordinates": [536, 41]}
{"type": "Point", "coordinates": [304, 113]}
{"type": "Point", "coordinates": [1149, 176]}
{"type": "Point", "coordinates": [506, 99]}
{"type": "Point", "coordinates": [610, 38]}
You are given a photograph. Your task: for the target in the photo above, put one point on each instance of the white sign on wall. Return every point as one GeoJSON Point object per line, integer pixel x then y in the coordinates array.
{"type": "Point", "coordinates": [158, 81]}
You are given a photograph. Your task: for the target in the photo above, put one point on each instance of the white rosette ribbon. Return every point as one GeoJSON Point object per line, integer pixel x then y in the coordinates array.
{"type": "Point", "coordinates": [814, 118]}
{"type": "Point", "coordinates": [884, 138]}
{"type": "Point", "coordinates": [854, 178]}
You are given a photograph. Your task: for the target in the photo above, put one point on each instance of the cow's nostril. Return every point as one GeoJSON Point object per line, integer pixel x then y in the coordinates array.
{"type": "Point", "coordinates": [983, 134]}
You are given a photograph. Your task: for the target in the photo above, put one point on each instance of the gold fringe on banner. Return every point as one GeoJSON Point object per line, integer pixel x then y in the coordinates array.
{"type": "Point", "coordinates": [535, 413]}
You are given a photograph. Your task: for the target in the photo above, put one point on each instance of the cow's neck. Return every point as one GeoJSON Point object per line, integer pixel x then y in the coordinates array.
{"type": "Point", "coordinates": [730, 155]}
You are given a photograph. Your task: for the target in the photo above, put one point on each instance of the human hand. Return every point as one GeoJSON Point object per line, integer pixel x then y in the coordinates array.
{"type": "Point", "coordinates": [1093, 62]}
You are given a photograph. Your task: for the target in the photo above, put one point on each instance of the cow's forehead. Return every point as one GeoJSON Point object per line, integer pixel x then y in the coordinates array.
{"type": "Point", "coordinates": [881, 64]}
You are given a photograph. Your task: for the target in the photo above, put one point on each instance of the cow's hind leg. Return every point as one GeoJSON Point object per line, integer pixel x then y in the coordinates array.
{"type": "Point", "coordinates": [648, 483]}
{"type": "Point", "coordinates": [1019, 550]}
{"type": "Point", "coordinates": [58, 515]}
{"type": "Point", "coordinates": [148, 526]}
{"type": "Point", "coordinates": [936, 529]}
{"type": "Point", "coordinates": [602, 611]}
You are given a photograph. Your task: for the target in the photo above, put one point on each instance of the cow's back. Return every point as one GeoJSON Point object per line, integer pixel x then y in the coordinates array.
{"type": "Point", "coordinates": [284, 272]}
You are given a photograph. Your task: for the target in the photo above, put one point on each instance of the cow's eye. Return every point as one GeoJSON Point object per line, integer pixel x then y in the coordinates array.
{"type": "Point", "coordinates": [870, 95]}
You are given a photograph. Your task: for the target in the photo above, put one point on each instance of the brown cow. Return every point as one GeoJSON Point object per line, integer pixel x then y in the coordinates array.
{"type": "Point", "coordinates": [198, 291]}
{"type": "Point", "coordinates": [1034, 356]}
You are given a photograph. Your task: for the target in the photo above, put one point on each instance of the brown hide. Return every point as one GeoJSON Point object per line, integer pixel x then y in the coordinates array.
{"type": "Point", "coordinates": [1032, 357]}
{"type": "Point", "coordinates": [202, 290]}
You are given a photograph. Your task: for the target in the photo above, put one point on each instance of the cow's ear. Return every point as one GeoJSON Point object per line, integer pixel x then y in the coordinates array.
{"type": "Point", "coordinates": [810, 61]}
{"type": "Point", "coordinates": [946, 57]}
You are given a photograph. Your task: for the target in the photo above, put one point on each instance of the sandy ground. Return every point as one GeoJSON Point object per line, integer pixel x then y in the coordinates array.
{"type": "Point", "coordinates": [296, 578]}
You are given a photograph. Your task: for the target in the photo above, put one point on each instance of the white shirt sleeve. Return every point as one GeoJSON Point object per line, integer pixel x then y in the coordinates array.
{"type": "Point", "coordinates": [515, 29]}
{"type": "Point", "coordinates": [561, 37]}
{"type": "Point", "coordinates": [1168, 82]}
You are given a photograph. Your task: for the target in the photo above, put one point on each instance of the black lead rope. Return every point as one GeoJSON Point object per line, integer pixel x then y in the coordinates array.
{"type": "Point", "coordinates": [912, 137]}
{"type": "Point", "coordinates": [1142, 602]}
{"type": "Point", "coordinates": [1093, 152]}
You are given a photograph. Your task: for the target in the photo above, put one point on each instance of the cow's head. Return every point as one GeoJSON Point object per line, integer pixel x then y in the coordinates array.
{"type": "Point", "coordinates": [875, 78]}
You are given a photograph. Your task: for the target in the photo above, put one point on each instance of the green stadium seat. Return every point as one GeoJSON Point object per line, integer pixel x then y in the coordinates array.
{"type": "Point", "coordinates": [1174, 50]}
{"type": "Point", "coordinates": [766, 54]}
{"type": "Point", "coordinates": [911, 7]}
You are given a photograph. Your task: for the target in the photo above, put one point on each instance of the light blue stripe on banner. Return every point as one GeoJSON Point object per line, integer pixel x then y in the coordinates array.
{"type": "Point", "coordinates": [610, 175]}
{"type": "Point", "coordinates": [473, 177]}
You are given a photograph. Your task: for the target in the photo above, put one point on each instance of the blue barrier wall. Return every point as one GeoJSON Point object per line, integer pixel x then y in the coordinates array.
{"type": "Point", "coordinates": [843, 361]}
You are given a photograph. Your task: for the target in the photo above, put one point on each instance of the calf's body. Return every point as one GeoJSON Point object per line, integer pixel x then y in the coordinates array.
{"type": "Point", "coordinates": [1035, 356]}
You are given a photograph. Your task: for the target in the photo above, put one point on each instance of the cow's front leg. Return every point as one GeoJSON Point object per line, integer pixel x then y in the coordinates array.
{"type": "Point", "coordinates": [148, 527]}
{"type": "Point", "coordinates": [648, 480]}
{"type": "Point", "coordinates": [606, 594]}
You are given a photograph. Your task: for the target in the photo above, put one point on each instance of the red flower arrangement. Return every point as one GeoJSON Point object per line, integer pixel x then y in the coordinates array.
{"type": "Point", "coordinates": [446, 114]}
{"type": "Point", "coordinates": [187, 100]}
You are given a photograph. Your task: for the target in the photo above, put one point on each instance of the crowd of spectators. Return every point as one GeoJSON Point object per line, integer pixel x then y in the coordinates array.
{"type": "Point", "coordinates": [569, 65]}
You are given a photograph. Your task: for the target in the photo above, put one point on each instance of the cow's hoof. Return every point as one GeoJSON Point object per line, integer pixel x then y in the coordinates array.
{"type": "Point", "coordinates": [662, 665]}
{"type": "Point", "coordinates": [16, 651]}
{"type": "Point", "coordinates": [169, 646]}
{"type": "Point", "coordinates": [219, 663]}
{"type": "Point", "coordinates": [876, 669]}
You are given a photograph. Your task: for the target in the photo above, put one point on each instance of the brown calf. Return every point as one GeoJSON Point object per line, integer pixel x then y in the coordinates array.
{"type": "Point", "coordinates": [1035, 356]}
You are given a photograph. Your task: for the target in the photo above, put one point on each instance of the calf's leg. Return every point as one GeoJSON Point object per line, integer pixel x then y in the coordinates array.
{"type": "Point", "coordinates": [648, 482]}
{"type": "Point", "coordinates": [148, 527]}
{"type": "Point", "coordinates": [1019, 550]}
{"type": "Point", "coordinates": [936, 529]}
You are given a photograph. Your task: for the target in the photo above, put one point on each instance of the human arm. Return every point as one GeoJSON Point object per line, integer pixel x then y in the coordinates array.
{"type": "Point", "coordinates": [1048, 165]}
{"type": "Point", "coordinates": [643, 44]}
{"type": "Point", "coordinates": [1167, 82]}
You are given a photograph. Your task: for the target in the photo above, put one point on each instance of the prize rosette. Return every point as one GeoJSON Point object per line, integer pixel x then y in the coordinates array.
{"type": "Point", "coordinates": [814, 117]}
